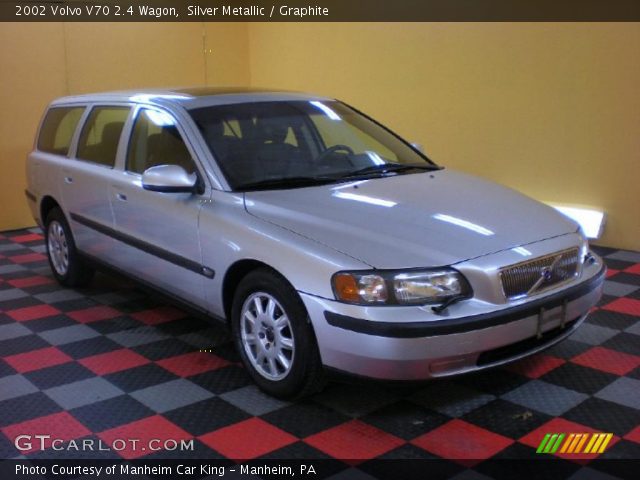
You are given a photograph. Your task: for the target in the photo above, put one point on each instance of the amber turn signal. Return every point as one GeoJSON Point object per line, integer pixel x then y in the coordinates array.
{"type": "Point", "coordinates": [346, 288]}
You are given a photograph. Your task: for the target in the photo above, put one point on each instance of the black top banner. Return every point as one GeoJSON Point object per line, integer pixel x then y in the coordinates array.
{"type": "Point", "coordinates": [320, 11]}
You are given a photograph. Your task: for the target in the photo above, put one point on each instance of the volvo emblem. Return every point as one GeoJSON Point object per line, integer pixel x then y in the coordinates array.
{"type": "Point", "coordinates": [546, 275]}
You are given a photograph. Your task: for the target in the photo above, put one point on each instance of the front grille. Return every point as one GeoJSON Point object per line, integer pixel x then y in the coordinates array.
{"type": "Point", "coordinates": [537, 275]}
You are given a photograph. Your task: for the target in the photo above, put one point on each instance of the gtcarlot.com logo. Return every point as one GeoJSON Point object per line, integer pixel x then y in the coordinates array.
{"type": "Point", "coordinates": [584, 443]}
{"type": "Point", "coordinates": [28, 443]}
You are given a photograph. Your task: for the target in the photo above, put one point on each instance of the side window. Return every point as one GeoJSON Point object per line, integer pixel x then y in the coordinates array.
{"type": "Point", "coordinates": [57, 129]}
{"type": "Point", "coordinates": [155, 140]}
{"type": "Point", "coordinates": [100, 135]}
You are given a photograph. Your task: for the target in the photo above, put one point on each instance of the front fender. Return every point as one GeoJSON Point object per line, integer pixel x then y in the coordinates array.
{"type": "Point", "coordinates": [228, 234]}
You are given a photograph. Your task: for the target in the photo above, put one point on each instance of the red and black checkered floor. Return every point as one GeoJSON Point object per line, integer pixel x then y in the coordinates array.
{"type": "Point", "coordinates": [113, 362]}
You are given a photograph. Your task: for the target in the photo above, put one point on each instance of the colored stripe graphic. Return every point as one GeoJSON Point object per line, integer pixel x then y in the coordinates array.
{"type": "Point", "coordinates": [596, 443]}
{"type": "Point", "coordinates": [605, 442]}
{"type": "Point", "coordinates": [577, 442]}
{"type": "Point", "coordinates": [582, 442]}
{"type": "Point", "coordinates": [550, 443]}
{"type": "Point", "coordinates": [557, 444]}
{"type": "Point", "coordinates": [543, 443]}
{"type": "Point", "coordinates": [600, 443]}
{"type": "Point", "coordinates": [570, 439]}
{"type": "Point", "coordinates": [594, 437]}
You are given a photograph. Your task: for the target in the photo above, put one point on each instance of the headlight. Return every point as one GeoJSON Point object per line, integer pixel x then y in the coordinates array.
{"type": "Point", "coordinates": [411, 287]}
{"type": "Point", "coordinates": [427, 286]}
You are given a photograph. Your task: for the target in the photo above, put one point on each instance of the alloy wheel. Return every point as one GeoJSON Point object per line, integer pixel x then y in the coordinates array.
{"type": "Point", "coordinates": [267, 336]}
{"type": "Point", "coordinates": [58, 248]}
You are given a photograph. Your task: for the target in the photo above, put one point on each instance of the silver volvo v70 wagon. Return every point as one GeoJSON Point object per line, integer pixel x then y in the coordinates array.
{"type": "Point", "coordinates": [325, 240]}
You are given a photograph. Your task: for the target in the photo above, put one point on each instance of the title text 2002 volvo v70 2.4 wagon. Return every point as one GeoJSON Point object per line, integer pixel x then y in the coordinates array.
{"type": "Point", "coordinates": [324, 239]}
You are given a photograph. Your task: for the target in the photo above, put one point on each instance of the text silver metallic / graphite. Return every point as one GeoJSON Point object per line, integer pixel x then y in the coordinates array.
{"type": "Point", "coordinates": [258, 11]}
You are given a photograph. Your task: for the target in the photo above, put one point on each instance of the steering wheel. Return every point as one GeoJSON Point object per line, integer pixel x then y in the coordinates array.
{"type": "Point", "coordinates": [335, 148]}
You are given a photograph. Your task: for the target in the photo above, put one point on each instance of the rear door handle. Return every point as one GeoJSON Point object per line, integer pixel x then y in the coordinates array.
{"type": "Point", "coordinates": [121, 196]}
{"type": "Point", "coordinates": [68, 179]}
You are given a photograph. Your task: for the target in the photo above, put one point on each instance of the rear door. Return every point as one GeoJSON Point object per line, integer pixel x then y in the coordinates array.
{"type": "Point", "coordinates": [158, 232]}
{"type": "Point", "coordinates": [86, 178]}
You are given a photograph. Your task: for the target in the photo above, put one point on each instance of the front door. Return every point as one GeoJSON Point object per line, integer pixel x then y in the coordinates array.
{"type": "Point", "coordinates": [157, 233]}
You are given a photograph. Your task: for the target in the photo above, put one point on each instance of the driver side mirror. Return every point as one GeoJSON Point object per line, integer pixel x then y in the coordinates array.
{"type": "Point", "coordinates": [169, 179]}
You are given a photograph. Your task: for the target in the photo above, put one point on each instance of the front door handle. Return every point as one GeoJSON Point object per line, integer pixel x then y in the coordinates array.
{"type": "Point", "coordinates": [121, 196]}
{"type": "Point", "coordinates": [68, 179]}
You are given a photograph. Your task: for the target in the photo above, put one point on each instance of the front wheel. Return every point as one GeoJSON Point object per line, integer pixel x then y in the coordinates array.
{"type": "Point", "coordinates": [274, 337]}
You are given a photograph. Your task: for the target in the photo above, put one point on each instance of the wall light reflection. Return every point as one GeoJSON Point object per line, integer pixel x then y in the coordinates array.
{"type": "Point", "coordinates": [330, 113]}
{"type": "Point", "coordinates": [365, 199]}
{"type": "Point", "coordinates": [146, 97]}
{"type": "Point", "coordinates": [161, 119]}
{"type": "Point", "coordinates": [375, 158]}
{"type": "Point", "coordinates": [464, 224]}
{"type": "Point", "coordinates": [590, 220]}
{"type": "Point", "coordinates": [522, 251]}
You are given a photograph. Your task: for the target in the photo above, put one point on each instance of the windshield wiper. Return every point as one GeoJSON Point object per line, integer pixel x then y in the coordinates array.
{"type": "Point", "coordinates": [287, 182]}
{"type": "Point", "coordinates": [297, 182]}
{"type": "Point", "coordinates": [388, 168]}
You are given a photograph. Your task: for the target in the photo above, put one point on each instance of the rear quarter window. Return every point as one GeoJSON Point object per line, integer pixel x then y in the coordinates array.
{"type": "Point", "coordinates": [57, 129]}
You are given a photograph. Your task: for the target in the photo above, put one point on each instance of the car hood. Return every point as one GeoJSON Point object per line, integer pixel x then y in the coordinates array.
{"type": "Point", "coordinates": [418, 220]}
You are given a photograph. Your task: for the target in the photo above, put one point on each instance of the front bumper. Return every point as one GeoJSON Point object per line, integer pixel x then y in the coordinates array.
{"type": "Point", "coordinates": [413, 343]}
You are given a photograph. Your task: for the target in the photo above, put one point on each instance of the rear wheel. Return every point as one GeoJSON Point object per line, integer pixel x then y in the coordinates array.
{"type": "Point", "coordinates": [66, 264]}
{"type": "Point", "coordinates": [274, 337]}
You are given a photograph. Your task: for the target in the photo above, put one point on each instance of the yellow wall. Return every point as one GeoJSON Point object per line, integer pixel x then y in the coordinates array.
{"type": "Point", "coordinates": [39, 62]}
{"type": "Point", "coordinates": [31, 74]}
{"type": "Point", "coordinates": [227, 54]}
{"type": "Point", "coordinates": [552, 110]}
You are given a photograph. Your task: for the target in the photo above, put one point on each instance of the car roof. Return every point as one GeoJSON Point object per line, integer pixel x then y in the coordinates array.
{"type": "Point", "coordinates": [191, 97]}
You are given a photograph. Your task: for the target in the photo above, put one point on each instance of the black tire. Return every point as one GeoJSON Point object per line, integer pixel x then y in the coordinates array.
{"type": "Point", "coordinates": [76, 273]}
{"type": "Point", "coordinates": [305, 375]}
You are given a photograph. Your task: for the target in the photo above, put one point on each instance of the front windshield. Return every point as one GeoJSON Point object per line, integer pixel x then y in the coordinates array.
{"type": "Point", "coordinates": [296, 143]}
